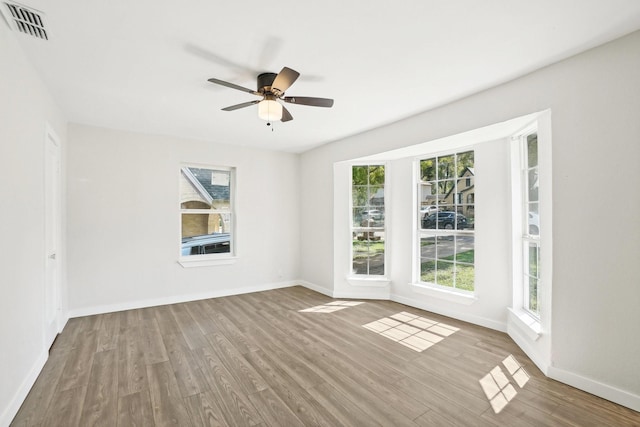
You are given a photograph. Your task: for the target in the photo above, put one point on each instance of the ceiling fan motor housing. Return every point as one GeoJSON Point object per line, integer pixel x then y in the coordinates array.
{"type": "Point", "coordinates": [265, 80]}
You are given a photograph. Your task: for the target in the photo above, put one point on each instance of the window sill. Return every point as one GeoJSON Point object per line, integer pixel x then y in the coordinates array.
{"type": "Point", "coordinates": [444, 294]}
{"type": "Point", "coordinates": [207, 262]}
{"type": "Point", "coordinates": [378, 281]}
{"type": "Point", "coordinates": [524, 322]}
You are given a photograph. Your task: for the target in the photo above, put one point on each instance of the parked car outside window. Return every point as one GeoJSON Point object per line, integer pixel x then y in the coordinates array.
{"type": "Point", "coordinates": [444, 220]}
{"type": "Point", "coordinates": [374, 214]}
{"type": "Point", "coordinates": [428, 210]}
{"type": "Point", "coordinates": [206, 244]}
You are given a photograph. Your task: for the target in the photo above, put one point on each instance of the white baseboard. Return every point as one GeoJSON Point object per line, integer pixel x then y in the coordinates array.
{"type": "Point", "coordinates": [476, 320]}
{"type": "Point", "coordinates": [111, 308]}
{"type": "Point", "coordinates": [365, 292]}
{"type": "Point", "coordinates": [320, 289]}
{"type": "Point", "coordinates": [375, 294]}
{"type": "Point", "coordinates": [597, 388]}
{"type": "Point", "coordinates": [21, 394]}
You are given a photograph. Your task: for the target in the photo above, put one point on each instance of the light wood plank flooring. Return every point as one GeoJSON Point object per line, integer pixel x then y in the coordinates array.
{"type": "Point", "coordinates": [256, 360]}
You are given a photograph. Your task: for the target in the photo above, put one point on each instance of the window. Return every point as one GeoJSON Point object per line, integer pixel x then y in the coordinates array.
{"type": "Point", "coordinates": [530, 223]}
{"type": "Point", "coordinates": [206, 211]}
{"type": "Point", "coordinates": [446, 221]}
{"type": "Point", "coordinates": [368, 220]}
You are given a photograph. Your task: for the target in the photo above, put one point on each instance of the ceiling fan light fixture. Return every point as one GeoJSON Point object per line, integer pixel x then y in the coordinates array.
{"type": "Point", "coordinates": [269, 109]}
{"type": "Point", "coordinates": [271, 88]}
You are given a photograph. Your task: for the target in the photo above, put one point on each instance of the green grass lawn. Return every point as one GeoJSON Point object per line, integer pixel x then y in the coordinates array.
{"type": "Point", "coordinates": [442, 271]}
{"type": "Point", "coordinates": [364, 249]}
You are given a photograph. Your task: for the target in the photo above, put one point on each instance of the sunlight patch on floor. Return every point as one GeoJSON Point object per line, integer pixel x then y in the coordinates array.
{"type": "Point", "coordinates": [498, 388]}
{"type": "Point", "coordinates": [417, 333]}
{"type": "Point", "coordinates": [330, 307]}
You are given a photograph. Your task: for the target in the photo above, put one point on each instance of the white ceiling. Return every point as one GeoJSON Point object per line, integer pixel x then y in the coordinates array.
{"type": "Point", "coordinates": [143, 65]}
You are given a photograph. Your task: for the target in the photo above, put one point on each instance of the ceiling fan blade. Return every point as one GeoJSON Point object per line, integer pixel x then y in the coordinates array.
{"type": "Point", "coordinates": [284, 80]}
{"type": "Point", "coordinates": [306, 100]}
{"type": "Point", "coordinates": [233, 86]}
{"type": "Point", "coordinates": [286, 115]}
{"type": "Point", "coordinates": [238, 106]}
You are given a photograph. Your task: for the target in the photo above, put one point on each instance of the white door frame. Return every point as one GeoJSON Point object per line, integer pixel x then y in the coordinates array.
{"type": "Point", "coordinates": [52, 313]}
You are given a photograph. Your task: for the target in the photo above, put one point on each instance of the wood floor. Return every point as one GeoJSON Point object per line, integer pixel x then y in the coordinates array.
{"type": "Point", "coordinates": [256, 360]}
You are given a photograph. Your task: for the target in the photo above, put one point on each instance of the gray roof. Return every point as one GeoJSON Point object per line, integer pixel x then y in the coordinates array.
{"type": "Point", "coordinates": [204, 177]}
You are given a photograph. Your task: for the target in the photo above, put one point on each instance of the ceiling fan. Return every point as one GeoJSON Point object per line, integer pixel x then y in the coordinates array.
{"type": "Point", "coordinates": [271, 88]}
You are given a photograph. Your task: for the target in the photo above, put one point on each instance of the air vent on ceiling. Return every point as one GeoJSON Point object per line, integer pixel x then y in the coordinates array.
{"type": "Point", "coordinates": [24, 19]}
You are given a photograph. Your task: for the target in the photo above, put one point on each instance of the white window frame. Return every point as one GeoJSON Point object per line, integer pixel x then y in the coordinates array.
{"type": "Point", "coordinates": [216, 258]}
{"type": "Point", "coordinates": [526, 237]}
{"type": "Point", "coordinates": [531, 325]}
{"type": "Point", "coordinates": [384, 229]}
{"type": "Point", "coordinates": [455, 294]}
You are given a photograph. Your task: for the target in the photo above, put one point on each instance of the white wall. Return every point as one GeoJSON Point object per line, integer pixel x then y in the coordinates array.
{"type": "Point", "coordinates": [595, 107]}
{"type": "Point", "coordinates": [25, 109]}
{"type": "Point", "coordinates": [123, 213]}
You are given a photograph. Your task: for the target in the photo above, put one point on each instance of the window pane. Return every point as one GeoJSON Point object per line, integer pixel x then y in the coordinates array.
{"type": "Point", "coordinates": [426, 193]}
{"type": "Point", "coordinates": [532, 150]}
{"type": "Point", "coordinates": [368, 256]}
{"type": "Point", "coordinates": [446, 167]}
{"type": "Point", "coordinates": [360, 175]}
{"type": "Point", "coordinates": [360, 256]}
{"type": "Point", "coordinates": [532, 183]}
{"type": "Point", "coordinates": [533, 220]}
{"type": "Point", "coordinates": [469, 220]}
{"type": "Point", "coordinates": [369, 217]}
{"type": "Point", "coordinates": [466, 188]}
{"type": "Point", "coordinates": [428, 271]}
{"type": "Point", "coordinates": [357, 217]}
{"type": "Point", "coordinates": [376, 257]}
{"type": "Point", "coordinates": [205, 224]}
{"type": "Point", "coordinates": [465, 252]}
{"type": "Point", "coordinates": [533, 260]}
{"type": "Point", "coordinates": [445, 273]}
{"type": "Point", "coordinates": [465, 277]}
{"type": "Point", "coordinates": [427, 209]}
{"type": "Point", "coordinates": [360, 195]}
{"type": "Point", "coordinates": [376, 175]}
{"type": "Point", "coordinates": [376, 195]}
{"type": "Point", "coordinates": [202, 188]}
{"type": "Point", "coordinates": [465, 164]}
{"type": "Point", "coordinates": [446, 247]}
{"type": "Point", "coordinates": [428, 170]}
{"type": "Point", "coordinates": [427, 261]}
{"type": "Point", "coordinates": [445, 191]}
{"type": "Point", "coordinates": [533, 296]}
{"type": "Point", "coordinates": [461, 221]}
{"type": "Point", "coordinates": [446, 219]}
{"type": "Point", "coordinates": [205, 234]}
{"type": "Point", "coordinates": [429, 220]}
{"type": "Point", "coordinates": [435, 190]}
{"type": "Point", "coordinates": [428, 247]}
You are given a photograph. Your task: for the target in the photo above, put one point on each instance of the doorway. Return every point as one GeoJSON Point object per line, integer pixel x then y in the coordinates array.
{"type": "Point", "coordinates": [52, 227]}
